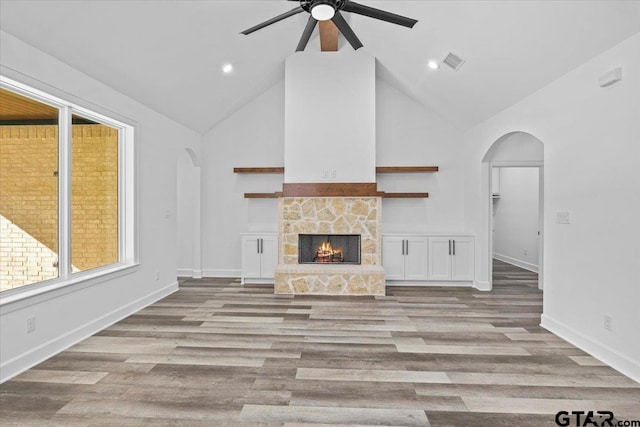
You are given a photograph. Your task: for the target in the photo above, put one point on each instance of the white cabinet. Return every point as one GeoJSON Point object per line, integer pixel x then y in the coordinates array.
{"type": "Point", "coordinates": [405, 257]}
{"type": "Point", "coordinates": [451, 258]}
{"type": "Point", "coordinates": [427, 257]}
{"type": "Point", "coordinates": [259, 257]}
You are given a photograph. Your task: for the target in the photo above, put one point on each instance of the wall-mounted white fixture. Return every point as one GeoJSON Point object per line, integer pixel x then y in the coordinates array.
{"type": "Point", "coordinates": [563, 217]}
{"type": "Point", "coordinates": [611, 77]}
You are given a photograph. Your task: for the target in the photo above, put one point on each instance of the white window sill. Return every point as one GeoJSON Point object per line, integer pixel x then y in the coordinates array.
{"type": "Point", "coordinates": [36, 293]}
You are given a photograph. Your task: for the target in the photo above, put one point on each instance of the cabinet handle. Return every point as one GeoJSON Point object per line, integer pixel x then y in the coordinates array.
{"type": "Point", "coordinates": [407, 246]}
{"type": "Point", "coordinates": [261, 246]}
{"type": "Point", "coordinates": [402, 246]}
{"type": "Point", "coordinates": [449, 247]}
{"type": "Point", "coordinates": [454, 247]}
{"type": "Point", "coordinates": [257, 246]}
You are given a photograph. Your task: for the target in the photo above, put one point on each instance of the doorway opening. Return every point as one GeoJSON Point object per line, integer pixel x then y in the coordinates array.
{"type": "Point", "coordinates": [515, 169]}
{"type": "Point", "coordinates": [516, 225]}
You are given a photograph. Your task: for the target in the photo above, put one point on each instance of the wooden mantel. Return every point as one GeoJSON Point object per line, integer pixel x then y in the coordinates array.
{"type": "Point", "coordinates": [259, 170]}
{"type": "Point", "coordinates": [379, 169]}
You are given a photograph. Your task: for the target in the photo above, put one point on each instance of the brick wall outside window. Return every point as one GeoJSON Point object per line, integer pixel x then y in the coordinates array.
{"type": "Point", "coordinates": [29, 197]}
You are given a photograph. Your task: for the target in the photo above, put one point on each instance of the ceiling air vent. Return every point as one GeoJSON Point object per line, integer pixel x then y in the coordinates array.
{"type": "Point", "coordinates": [453, 61]}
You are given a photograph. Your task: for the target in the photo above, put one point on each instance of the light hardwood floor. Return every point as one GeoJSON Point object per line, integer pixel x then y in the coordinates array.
{"type": "Point", "coordinates": [220, 354]}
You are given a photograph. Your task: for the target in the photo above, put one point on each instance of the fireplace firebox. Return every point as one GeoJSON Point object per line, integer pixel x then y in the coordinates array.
{"type": "Point", "coordinates": [328, 248]}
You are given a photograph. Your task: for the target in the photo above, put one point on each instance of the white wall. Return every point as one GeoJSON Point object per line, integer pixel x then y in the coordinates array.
{"type": "Point", "coordinates": [330, 117]}
{"type": "Point", "coordinates": [67, 315]}
{"type": "Point", "coordinates": [409, 134]}
{"type": "Point", "coordinates": [591, 150]}
{"type": "Point", "coordinates": [188, 216]}
{"type": "Point", "coordinates": [253, 136]}
{"type": "Point", "coordinates": [516, 147]}
{"type": "Point", "coordinates": [515, 217]}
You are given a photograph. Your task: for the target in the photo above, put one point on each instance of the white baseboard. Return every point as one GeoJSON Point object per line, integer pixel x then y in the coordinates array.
{"type": "Point", "coordinates": [184, 272]}
{"type": "Point", "coordinates": [428, 284]}
{"type": "Point", "coordinates": [482, 286]}
{"type": "Point", "coordinates": [259, 281]}
{"type": "Point", "coordinates": [517, 262]}
{"type": "Point", "coordinates": [618, 361]}
{"type": "Point", "coordinates": [189, 272]}
{"type": "Point", "coordinates": [30, 358]}
{"type": "Point", "coordinates": [221, 273]}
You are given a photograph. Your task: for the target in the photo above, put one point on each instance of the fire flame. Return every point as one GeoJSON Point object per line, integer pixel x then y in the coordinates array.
{"type": "Point", "coordinates": [325, 253]}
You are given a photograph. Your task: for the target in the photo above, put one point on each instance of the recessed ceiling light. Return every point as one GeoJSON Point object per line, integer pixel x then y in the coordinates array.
{"type": "Point", "coordinates": [433, 65]}
{"type": "Point", "coordinates": [227, 68]}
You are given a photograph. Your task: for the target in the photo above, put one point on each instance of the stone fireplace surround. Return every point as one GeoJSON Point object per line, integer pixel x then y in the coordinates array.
{"type": "Point", "coordinates": [329, 215]}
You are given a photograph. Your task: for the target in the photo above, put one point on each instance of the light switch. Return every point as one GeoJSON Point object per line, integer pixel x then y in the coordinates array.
{"type": "Point", "coordinates": [563, 217]}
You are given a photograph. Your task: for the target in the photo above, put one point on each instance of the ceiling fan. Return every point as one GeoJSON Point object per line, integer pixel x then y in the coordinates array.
{"type": "Point", "coordinates": [324, 10]}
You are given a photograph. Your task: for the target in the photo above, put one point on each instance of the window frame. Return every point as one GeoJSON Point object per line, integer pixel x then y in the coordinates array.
{"type": "Point", "coordinates": [127, 194]}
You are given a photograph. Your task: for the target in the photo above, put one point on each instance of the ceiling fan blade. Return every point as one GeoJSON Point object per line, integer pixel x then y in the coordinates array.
{"type": "Point", "coordinates": [382, 15]}
{"type": "Point", "coordinates": [273, 20]}
{"type": "Point", "coordinates": [346, 30]}
{"type": "Point", "coordinates": [306, 34]}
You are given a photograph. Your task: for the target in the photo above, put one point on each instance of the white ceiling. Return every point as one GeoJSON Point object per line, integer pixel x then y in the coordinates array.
{"type": "Point", "coordinates": [168, 54]}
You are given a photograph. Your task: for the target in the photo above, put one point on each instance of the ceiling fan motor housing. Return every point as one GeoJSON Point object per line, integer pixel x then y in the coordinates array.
{"type": "Point", "coordinates": [310, 4]}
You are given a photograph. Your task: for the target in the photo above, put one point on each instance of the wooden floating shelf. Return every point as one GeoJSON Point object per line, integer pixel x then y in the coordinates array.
{"type": "Point", "coordinates": [406, 195]}
{"type": "Point", "coordinates": [259, 170]}
{"type": "Point", "coordinates": [262, 195]}
{"type": "Point", "coordinates": [406, 169]}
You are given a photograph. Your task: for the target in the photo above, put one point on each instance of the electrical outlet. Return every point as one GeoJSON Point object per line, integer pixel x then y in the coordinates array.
{"type": "Point", "coordinates": [333, 173]}
{"type": "Point", "coordinates": [608, 323]}
{"type": "Point", "coordinates": [525, 251]}
{"type": "Point", "coordinates": [31, 324]}
{"type": "Point", "coordinates": [157, 275]}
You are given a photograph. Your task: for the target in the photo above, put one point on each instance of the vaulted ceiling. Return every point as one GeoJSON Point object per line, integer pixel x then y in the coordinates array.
{"type": "Point", "coordinates": [168, 54]}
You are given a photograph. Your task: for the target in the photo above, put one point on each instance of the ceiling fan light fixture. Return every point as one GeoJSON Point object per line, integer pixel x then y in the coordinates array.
{"type": "Point", "coordinates": [323, 11]}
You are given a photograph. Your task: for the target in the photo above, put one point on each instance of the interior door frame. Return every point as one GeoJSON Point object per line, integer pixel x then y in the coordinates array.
{"type": "Point", "coordinates": [516, 164]}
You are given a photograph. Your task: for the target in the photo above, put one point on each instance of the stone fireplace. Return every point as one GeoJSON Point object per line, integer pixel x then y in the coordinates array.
{"type": "Point", "coordinates": [338, 216]}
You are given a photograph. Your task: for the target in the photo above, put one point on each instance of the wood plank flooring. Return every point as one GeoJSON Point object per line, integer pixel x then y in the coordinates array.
{"type": "Point", "coordinates": [220, 354]}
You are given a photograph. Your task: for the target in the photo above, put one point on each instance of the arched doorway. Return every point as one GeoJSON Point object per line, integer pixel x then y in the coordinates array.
{"type": "Point", "coordinates": [188, 215]}
{"type": "Point", "coordinates": [518, 156]}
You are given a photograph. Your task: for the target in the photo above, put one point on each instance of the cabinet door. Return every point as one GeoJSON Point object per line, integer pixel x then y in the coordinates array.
{"type": "Point", "coordinates": [463, 259]}
{"type": "Point", "coordinates": [393, 257]}
{"type": "Point", "coordinates": [250, 257]}
{"type": "Point", "coordinates": [439, 258]}
{"type": "Point", "coordinates": [269, 255]}
{"type": "Point", "coordinates": [416, 259]}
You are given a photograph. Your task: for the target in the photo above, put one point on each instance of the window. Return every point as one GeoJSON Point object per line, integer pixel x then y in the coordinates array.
{"type": "Point", "coordinates": [94, 194]}
{"type": "Point", "coordinates": [66, 191]}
